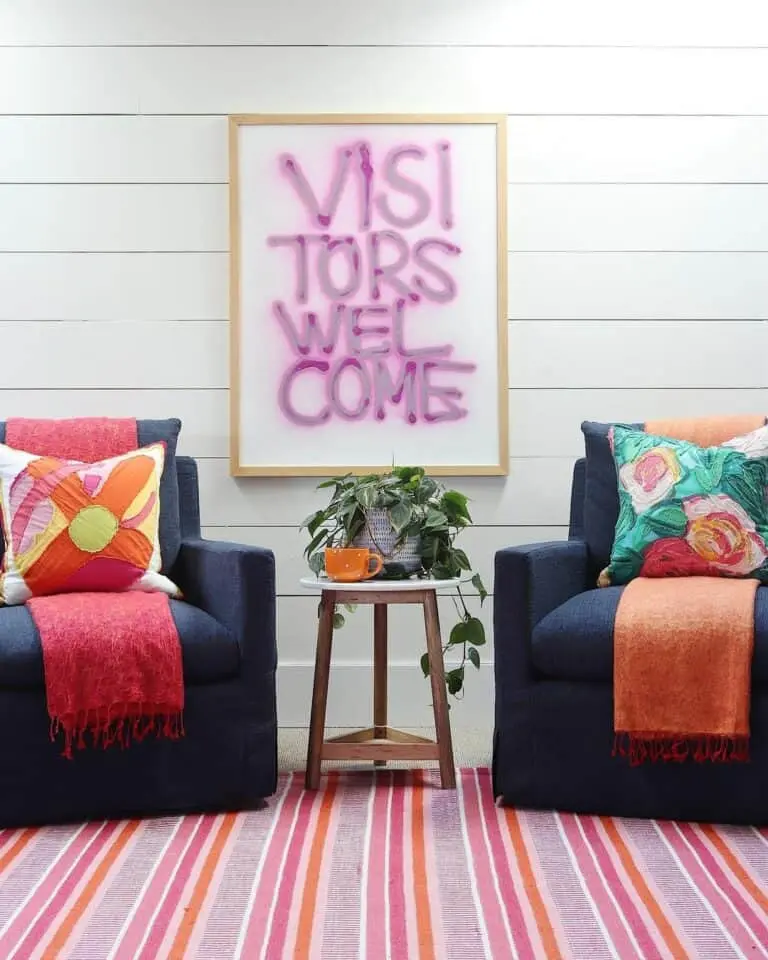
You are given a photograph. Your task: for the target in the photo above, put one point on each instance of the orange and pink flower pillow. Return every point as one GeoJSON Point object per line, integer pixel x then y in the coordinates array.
{"type": "Point", "coordinates": [75, 527]}
{"type": "Point", "coordinates": [686, 510]}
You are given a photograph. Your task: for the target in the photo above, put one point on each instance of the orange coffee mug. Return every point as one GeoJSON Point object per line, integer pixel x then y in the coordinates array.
{"type": "Point", "coordinates": [350, 564]}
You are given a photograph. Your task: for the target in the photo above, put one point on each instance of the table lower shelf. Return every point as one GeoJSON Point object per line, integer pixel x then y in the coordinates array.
{"type": "Point", "coordinates": [379, 743]}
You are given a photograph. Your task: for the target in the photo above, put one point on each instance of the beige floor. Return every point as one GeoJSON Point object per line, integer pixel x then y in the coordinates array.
{"type": "Point", "coordinates": [471, 748]}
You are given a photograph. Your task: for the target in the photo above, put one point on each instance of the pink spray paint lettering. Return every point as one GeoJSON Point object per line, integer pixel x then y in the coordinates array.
{"type": "Point", "coordinates": [354, 299]}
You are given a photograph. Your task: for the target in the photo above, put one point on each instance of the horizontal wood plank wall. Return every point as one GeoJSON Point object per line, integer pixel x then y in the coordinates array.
{"type": "Point", "coordinates": [637, 243]}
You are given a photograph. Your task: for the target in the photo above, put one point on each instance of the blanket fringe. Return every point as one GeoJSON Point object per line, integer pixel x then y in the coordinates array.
{"type": "Point", "coordinates": [641, 748]}
{"type": "Point", "coordinates": [134, 723]}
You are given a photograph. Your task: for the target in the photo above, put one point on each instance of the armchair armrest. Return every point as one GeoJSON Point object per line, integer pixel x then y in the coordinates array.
{"type": "Point", "coordinates": [530, 581]}
{"type": "Point", "coordinates": [235, 584]}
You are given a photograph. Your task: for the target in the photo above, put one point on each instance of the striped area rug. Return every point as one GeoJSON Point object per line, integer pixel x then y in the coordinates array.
{"type": "Point", "coordinates": [380, 865]}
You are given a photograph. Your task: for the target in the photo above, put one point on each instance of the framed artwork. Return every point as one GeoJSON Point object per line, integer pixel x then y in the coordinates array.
{"type": "Point", "coordinates": [368, 294]}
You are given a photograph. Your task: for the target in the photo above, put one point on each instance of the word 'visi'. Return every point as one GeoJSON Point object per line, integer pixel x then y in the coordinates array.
{"type": "Point", "coordinates": [357, 158]}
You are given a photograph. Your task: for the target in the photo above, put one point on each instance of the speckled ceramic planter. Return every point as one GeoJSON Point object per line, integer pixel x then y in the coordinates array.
{"type": "Point", "coordinates": [380, 536]}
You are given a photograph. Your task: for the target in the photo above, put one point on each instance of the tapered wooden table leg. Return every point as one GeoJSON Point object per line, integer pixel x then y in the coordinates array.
{"type": "Point", "coordinates": [320, 689]}
{"type": "Point", "coordinates": [439, 695]}
{"type": "Point", "coordinates": [380, 670]}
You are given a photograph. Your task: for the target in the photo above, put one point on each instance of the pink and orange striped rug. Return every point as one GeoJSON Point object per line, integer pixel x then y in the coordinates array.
{"type": "Point", "coordinates": [383, 865]}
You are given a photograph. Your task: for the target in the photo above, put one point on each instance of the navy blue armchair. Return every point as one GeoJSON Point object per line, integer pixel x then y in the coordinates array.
{"type": "Point", "coordinates": [553, 739]}
{"type": "Point", "coordinates": [228, 758]}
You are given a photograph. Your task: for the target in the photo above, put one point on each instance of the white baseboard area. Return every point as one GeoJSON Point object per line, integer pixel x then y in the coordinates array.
{"type": "Point", "coordinates": [350, 696]}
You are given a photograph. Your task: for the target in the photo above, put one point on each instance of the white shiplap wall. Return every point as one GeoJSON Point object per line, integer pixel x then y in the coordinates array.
{"type": "Point", "coordinates": [638, 233]}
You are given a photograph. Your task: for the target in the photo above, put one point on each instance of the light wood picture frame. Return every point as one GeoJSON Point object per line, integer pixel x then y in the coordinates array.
{"type": "Point", "coordinates": [368, 294]}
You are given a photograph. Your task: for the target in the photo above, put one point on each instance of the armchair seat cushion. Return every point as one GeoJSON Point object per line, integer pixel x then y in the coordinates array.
{"type": "Point", "coordinates": [209, 651]}
{"type": "Point", "coordinates": [575, 640]}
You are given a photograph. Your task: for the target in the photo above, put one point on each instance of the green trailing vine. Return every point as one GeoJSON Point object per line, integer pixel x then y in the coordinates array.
{"type": "Point", "coordinates": [417, 506]}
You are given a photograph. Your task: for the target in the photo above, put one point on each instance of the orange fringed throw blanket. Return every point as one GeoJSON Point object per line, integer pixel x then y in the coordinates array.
{"type": "Point", "coordinates": [683, 648]}
{"type": "Point", "coordinates": [112, 661]}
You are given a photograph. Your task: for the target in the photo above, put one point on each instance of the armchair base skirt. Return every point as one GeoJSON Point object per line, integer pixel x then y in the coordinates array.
{"type": "Point", "coordinates": [227, 760]}
{"type": "Point", "coordinates": [553, 747]}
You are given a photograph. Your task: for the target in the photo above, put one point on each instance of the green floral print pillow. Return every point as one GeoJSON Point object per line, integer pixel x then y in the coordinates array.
{"type": "Point", "coordinates": [687, 511]}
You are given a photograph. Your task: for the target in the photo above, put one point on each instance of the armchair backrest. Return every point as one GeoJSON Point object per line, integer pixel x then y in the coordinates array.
{"type": "Point", "coordinates": [578, 486]}
{"type": "Point", "coordinates": [576, 527]}
{"type": "Point", "coordinates": [189, 497]}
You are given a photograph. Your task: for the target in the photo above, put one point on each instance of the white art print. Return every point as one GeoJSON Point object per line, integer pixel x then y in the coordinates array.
{"type": "Point", "coordinates": [368, 295]}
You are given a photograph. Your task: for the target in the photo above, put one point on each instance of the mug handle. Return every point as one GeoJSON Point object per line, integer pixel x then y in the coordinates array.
{"type": "Point", "coordinates": [376, 559]}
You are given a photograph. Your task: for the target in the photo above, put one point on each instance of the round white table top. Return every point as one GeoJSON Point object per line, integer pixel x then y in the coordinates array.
{"type": "Point", "coordinates": [379, 586]}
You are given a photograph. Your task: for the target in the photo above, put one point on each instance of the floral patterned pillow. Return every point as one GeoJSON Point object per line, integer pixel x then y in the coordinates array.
{"type": "Point", "coordinates": [73, 527]}
{"type": "Point", "coordinates": [689, 511]}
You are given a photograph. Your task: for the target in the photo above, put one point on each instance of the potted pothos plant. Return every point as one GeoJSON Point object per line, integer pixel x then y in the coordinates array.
{"type": "Point", "coordinates": [413, 522]}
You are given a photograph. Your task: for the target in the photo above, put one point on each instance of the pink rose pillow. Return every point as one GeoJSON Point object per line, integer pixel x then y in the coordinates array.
{"type": "Point", "coordinates": [686, 510]}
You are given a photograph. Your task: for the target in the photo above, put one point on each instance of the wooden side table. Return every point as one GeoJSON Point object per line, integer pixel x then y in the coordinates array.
{"type": "Point", "coordinates": [379, 742]}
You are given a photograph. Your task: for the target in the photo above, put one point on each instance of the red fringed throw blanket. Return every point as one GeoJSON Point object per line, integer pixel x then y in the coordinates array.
{"type": "Point", "coordinates": [112, 660]}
